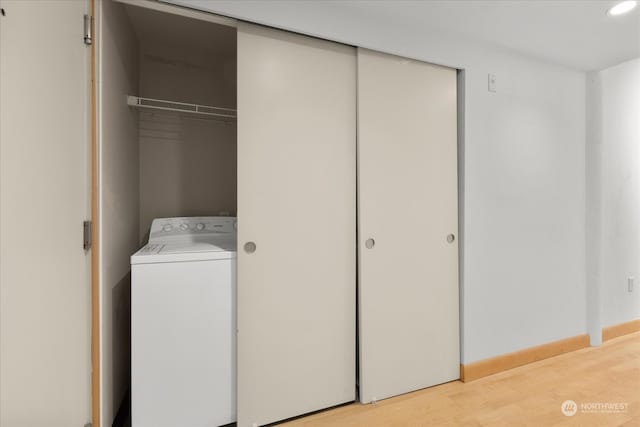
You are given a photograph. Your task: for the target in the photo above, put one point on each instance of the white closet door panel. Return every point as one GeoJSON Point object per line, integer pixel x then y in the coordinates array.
{"type": "Point", "coordinates": [45, 310]}
{"type": "Point", "coordinates": [408, 291]}
{"type": "Point", "coordinates": [296, 186]}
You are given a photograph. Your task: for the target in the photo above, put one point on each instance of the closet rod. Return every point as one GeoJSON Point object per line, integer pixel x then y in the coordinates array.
{"type": "Point", "coordinates": [182, 107]}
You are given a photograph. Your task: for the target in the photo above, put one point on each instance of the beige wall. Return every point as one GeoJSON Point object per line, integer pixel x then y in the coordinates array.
{"type": "Point", "coordinates": [119, 199]}
{"type": "Point", "coordinates": [187, 164]}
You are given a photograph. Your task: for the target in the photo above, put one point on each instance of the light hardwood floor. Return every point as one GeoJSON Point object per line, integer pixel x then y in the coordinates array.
{"type": "Point", "coordinates": [530, 395]}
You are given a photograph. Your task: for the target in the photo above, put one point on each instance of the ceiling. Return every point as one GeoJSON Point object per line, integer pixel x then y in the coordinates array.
{"type": "Point", "coordinates": [575, 33]}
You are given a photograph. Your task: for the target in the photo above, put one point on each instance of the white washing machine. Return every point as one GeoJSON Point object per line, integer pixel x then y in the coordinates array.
{"type": "Point", "coordinates": [183, 324]}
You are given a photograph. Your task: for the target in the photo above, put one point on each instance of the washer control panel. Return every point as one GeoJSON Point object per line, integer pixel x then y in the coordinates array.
{"type": "Point", "coordinates": [163, 228]}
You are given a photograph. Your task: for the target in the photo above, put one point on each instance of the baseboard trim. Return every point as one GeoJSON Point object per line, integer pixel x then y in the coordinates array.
{"type": "Point", "coordinates": [493, 365]}
{"type": "Point", "coordinates": [620, 329]}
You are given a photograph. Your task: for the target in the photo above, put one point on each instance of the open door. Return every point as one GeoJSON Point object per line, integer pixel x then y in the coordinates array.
{"type": "Point", "coordinates": [45, 310]}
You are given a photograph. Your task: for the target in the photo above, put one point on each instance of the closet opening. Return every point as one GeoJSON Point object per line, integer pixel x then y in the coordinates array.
{"type": "Point", "coordinates": [186, 108]}
{"type": "Point", "coordinates": [167, 146]}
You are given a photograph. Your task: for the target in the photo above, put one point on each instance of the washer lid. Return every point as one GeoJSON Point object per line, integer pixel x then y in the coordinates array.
{"type": "Point", "coordinates": [196, 249]}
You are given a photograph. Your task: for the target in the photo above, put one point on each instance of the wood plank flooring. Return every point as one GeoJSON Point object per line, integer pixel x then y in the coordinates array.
{"type": "Point", "coordinates": [530, 395]}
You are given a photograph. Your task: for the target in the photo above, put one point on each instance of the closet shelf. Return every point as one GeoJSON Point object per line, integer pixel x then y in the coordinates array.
{"type": "Point", "coordinates": [182, 107]}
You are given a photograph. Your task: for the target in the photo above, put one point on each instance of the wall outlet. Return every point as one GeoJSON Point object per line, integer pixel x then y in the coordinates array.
{"type": "Point", "coordinates": [492, 82]}
{"type": "Point", "coordinates": [630, 283]}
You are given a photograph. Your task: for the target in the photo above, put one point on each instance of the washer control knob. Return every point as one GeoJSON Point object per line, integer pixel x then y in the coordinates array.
{"type": "Point", "coordinates": [167, 227]}
{"type": "Point", "coordinates": [200, 226]}
{"type": "Point", "coordinates": [184, 226]}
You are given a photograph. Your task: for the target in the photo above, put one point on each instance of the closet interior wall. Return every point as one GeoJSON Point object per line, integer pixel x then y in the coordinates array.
{"type": "Point", "coordinates": [155, 163]}
{"type": "Point", "coordinates": [119, 199]}
{"type": "Point", "coordinates": [187, 162]}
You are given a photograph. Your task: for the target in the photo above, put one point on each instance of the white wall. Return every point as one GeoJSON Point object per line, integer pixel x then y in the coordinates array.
{"type": "Point", "coordinates": [119, 199]}
{"type": "Point", "coordinates": [524, 208]}
{"type": "Point", "coordinates": [524, 177]}
{"type": "Point", "coordinates": [615, 110]}
{"type": "Point", "coordinates": [593, 205]}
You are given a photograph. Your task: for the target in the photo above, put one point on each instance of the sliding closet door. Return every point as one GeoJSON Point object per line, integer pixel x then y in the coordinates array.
{"type": "Point", "coordinates": [407, 184]}
{"type": "Point", "coordinates": [296, 224]}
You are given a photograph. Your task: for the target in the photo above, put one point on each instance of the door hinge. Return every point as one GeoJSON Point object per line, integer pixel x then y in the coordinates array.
{"type": "Point", "coordinates": [86, 235]}
{"type": "Point", "coordinates": [88, 29]}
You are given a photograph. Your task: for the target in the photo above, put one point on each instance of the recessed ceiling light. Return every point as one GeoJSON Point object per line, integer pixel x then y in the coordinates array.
{"type": "Point", "coordinates": [623, 7]}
